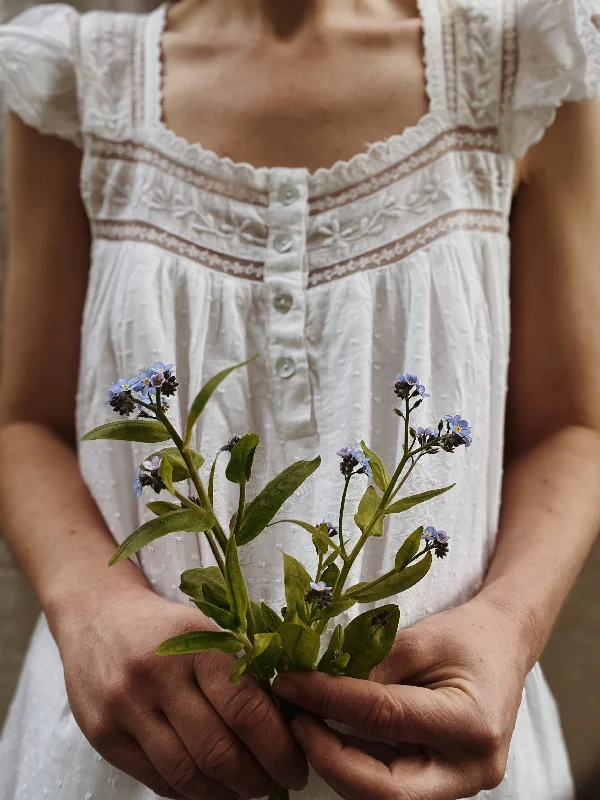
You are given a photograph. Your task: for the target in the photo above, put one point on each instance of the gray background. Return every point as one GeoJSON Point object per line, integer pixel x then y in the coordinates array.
{"type": "Point", "coordinates": [571, 660]}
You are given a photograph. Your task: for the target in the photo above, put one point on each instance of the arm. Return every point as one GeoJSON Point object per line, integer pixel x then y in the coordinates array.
{"type": "Point", "coordinates": [453, 683]}
{"type": "Point", "coordinates": [177, 725]}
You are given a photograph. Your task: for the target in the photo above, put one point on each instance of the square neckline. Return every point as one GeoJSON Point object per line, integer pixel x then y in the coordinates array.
{"type": "Point", "coordinates": [371, 159]}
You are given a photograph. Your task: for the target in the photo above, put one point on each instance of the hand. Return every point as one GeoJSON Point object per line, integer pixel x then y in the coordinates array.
{"type": "Point", "coordinates": [450, 690]}
{"type": "Point", "coordinates": [175, 723]}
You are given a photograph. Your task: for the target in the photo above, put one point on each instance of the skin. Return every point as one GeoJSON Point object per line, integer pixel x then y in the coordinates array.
{"type": "Point", "coordinates": [451, 688]}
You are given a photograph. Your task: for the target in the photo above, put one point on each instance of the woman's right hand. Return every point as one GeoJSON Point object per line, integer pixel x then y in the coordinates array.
{"type": "Point", "coordinates": [175, 723]}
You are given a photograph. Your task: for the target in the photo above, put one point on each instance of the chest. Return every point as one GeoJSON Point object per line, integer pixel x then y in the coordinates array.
{"type": "Point", "coordinates": [307, 104]}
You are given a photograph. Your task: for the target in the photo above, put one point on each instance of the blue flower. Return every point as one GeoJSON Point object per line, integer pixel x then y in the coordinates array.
{"type": "Point", "coordinates": [332, 530]}
{"type": "Point", "coordinates": [160, 369]}
{"type": "Point", "coordinates": [137, 486]}
{"type": "Point", "coordinates": [439, 540]}
{"type": "Point", "coordinates": [429, 534]}
{"type": "Point", "coordinates": [442, 537]}
{"type": "Point", "coordinates": [142, 384]}
{"type": "Point", "coordinates": [152, 464]}
{"type": "Point", "coordinates": [425, 434]}
{"type": "Point", "coordinates": [407, 385]}
{"type": "Point", "coordinates": [320, 586]}
{"type": "Point", "coordinates": [354, 462]}
{"type": "Point", "coordinates": [122, 385]}
{"type": "Point", "coordinates": [459, 428]}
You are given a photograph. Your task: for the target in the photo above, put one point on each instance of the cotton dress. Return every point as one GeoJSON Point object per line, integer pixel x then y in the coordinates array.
{"type": "Point", "coordinates": [396, 260]}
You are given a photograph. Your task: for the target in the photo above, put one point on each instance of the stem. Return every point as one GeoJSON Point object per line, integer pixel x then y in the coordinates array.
{"type": "Point", "coordinates": [341, 519]}
{"type": "Point", "coordinates": [211, 539]}
{"type": "Point", "coordinates": [211, 479]}
{"type": "Point", "coordinates": [240, 511]}
{"type": "Point", "coordinates": [185, 454]}
{"type": "Point", "coordinates": [319, 567]}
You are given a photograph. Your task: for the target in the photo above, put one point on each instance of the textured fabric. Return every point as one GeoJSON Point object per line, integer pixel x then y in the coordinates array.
{"type": "Point", "coordinates": [395, 260]}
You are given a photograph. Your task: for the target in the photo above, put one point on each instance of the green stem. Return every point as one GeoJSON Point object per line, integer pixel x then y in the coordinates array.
{"type": "Point", "coordinates": [240, 512]}
{"type": "Point", "coordinates": [211, 539]}
{"type": "Point", "coordinates": [211, 479]}
{"type": "Point", "coordinates": [341, 519]}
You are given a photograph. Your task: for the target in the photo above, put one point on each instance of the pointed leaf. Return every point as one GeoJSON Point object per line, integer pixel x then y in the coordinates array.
{"type": "Point", "coordinates": [297, 583]}
{"type": "Point", "coordinates": [335, 608]}
{"type": "Point", "coordinates": [266, 651]}
{"type": "Point", "coordinates": [271, 618]}
{"type": "Point", "coordinates": [334, 649]}
{"type": "Point", "coordinates": [131, 430]}
{"type": "Point", "coordinates": [204, 395]}
{"type": "Point", "coordinates": [216, 594]}
{"type": "Point", "coordinates": [200, 641]}
{"type": "Point", "coordinates": [237, 586]}
{"type": "Point", "coordinates": [188, 520]}
{"type": "Point", "coordinates": [300, 645]}
{"type": "Point", "coordinates": [395, 583]}
{"type": "Point", "coordinates": [166, 473]}
{"type": "Point", "coordinates": [415, 499]}
{"type": "Point", "coordinates": [409, 549]}
{"type": "Point", "coordinates": [160, 507]}
{"type": "Point", "coordinates": [330, 575]}
{"type": "Point", "coordinates": [239, 468]}
{"type": "Point", "coordinates": [381, 478]}
{"type": "Point", "coordinates": [180, 470]}
{"type": "Point", "coordinates": [366, 511]}
{"type": "Point", "coordinates": [194, 580]}
{"type": "Point", "coordinates": [265, 505]}
{"type": "Point", "coordinates": [224, 619]}
{"type": "Point", "coordinates": [369, 639]}
{"type": "Point", "coordinates": [317, 533]}
{"type": "Point", "coordinates": [256, 623]}
{"type": "Point", "coordinates": [239, 669]}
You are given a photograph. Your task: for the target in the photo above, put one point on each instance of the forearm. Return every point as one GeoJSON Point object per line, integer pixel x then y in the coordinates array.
{"type": "Point", "coordinates": [51, 522]}
{"type": "Point", "coordinates": [549, 521]}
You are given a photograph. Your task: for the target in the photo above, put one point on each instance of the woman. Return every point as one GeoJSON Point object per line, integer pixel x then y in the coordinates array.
{"type": "Point", "coordinates": [395, 258]}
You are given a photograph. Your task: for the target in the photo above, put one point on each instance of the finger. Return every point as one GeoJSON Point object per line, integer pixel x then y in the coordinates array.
{"type": "Point", "coordinates": [172, 760]}
{"type": "Point", "coordinates": [396, 713]}
{"type": "Point", "coordinates": [354, 774]}
{"type": "Point", "coordinates": [255, 718]}
{"type": "Point", "coordinates": [124, 753]}
{"type": "Point", "coordinates": [214, 747]}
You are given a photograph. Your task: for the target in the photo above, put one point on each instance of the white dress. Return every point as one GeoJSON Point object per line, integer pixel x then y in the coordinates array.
{"type": "Point", "coordinates": [397, 260]}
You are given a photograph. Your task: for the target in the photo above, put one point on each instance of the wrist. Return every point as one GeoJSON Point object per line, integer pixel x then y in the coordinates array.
{"type": "Point", "coordinates": [520, 622]}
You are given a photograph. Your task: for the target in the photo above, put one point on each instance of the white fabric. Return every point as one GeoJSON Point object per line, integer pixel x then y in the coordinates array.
{"type": "Point", "coordinates": [395, 260]}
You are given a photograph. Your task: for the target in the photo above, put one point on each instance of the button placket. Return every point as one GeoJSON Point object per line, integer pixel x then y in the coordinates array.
{"type": "Point", "coordinates": [285, 276]}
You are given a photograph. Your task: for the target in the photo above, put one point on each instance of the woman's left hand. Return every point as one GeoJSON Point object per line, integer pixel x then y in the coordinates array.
{"type": "Point", "coordinates": [448, 693]}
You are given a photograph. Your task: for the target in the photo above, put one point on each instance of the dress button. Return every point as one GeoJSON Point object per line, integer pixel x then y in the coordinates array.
{"type": "Point", "coordinates": [283, 243]}
{"type": "Point", "coordinates": [285, 367]}
{"type": "Point", "coordinates": [288, 194]}
{"type": "Point", "coordinates": [283, 303]}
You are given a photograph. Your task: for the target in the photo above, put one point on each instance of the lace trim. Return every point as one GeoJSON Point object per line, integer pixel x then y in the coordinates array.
{"type": "Point", "coordinates": [485, 221]}
{"type": "Point", "coordinates": [510, 56]}
{"type": "Point", "coordinates": [137, 95]}
{"type": "Point", "coordinates": [448, 8]}
{"type": "Point", "coordinates": [481, 221]}
{"type": "Point", "coordinates": [119, 231]}
{"type": "Point", "coordinates": [458, 141]}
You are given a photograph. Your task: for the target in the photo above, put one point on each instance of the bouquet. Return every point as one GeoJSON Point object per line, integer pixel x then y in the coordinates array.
{"type": "Point", "coordinates": [302, 635]}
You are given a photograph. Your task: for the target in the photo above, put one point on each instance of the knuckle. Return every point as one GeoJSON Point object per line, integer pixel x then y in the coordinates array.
{"type": "Point", "coordinates": [489, 736]}
{"type": "Point", "coordinates": [493, 773]}
{"type": "Point", "coordinates": [100, 733]}
{"type": "Point", "coordinates": [160, 787]}
{"type": "Point", "coordinates": [179, 770]}
{"type": "Point", "coordinates": [218, 753]}
{"type": "Point", "coordinates": [249, 708]}
{"type": "Point", "coordinates": [382, 716]}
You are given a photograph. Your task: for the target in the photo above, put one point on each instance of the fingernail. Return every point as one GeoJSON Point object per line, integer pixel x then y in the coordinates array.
{"type": "Point", "coordinates": [285, 687]}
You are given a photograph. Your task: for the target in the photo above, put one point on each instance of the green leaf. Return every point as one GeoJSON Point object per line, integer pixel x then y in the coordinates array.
{"type": "Point", "coordinates": [369, 638]}
{"type": "Point", "coordinates": [180, 470]}
{"type": "Point", "coordinates": [271, 618]}
{"type": "Point", "coordinates": [334, 648]}
{"type": "Point", "coordinates": [131, 430]}
{"type": "Point", "coordinates": [204, 395]}
{"type": "Point", "coordinates": [223, 618]}
{"type": "Point", "coordinates": [317, 533]}
{"type": "Point", "coordinates": [415, 499]}
{"type": "Point", "coordinates": [381, 479]}
{"type": "Point", "coordinates": [266, 652]}
{"type": "Point", "coordinates": [189, 520]}
{"type": "Point", "coordinates": [235, 581]}
{"type": "Point", "coordinates": [297, 583]}
{"type": "Point", "coordinates": [193, 582]}
{"type": "Point", "coordinates": [395, 583]}
{"type": "Point", "coordinates": [335, 608]}
{"type": "Point", "coordinates": [160, 507]}
{"type": "Point", "coordinates": [265, 505]}
{"type": "Point", "coordinates": [330, 575]}
{"type": "Point", "coordinates": [216, 594]}
{"type": "Point", "coordinates": [239, 669]}
{"type": "Point", "coordinates": [166, 473]}
{"type": "Point", "coordinates": [330, 559]}
{"type": "Point", "coordinates": [366, 511]}
{"type": "Point", "coordinates": [239, 467]}
{"type": "Point", "coordinates": [256, 623]}
{"type": "Point", "coordinates": [320, 546]}
{"type": "Point", "coordinates": [300, 645]}
{"type": "Point", "coordinates": [198, 642]}
{"type": "Point", "coordinates": [409, 549]}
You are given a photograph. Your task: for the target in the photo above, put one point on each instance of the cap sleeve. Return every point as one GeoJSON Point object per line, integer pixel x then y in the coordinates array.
{"type": "Point", "coordinates": [557, 60]}
{"type": "Point", "coordinates": [37, 69]}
